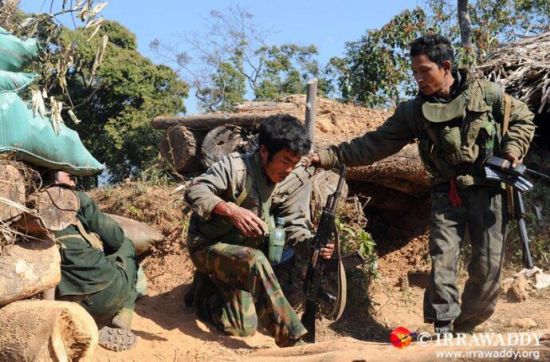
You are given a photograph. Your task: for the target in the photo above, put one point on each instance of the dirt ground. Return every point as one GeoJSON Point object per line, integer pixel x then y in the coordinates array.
{"type": "Point", "coordinates": [168, 331]}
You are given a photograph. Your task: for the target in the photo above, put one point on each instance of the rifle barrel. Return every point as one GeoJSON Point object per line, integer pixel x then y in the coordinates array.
{"type": "Point", "coordinates": [536, 173]}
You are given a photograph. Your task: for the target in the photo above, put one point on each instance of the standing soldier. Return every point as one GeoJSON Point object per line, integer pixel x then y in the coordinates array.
{"type": "Point", "coordinates": [457, 122]}
{"type": "Point", "coordinates": [234, 204]}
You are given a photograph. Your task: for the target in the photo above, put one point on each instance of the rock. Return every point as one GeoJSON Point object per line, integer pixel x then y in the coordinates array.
{"type": "Point", "coordinates": [518, 289]}
{"type": "Point", "coordinates": [523, 323]}
{"type": "Point", "coordinates": [542, 280]}
{"type": "Point", "coordinates": [506, 285]}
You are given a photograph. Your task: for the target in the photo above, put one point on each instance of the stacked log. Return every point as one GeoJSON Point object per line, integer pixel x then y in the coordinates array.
{"type": "Point", "coordinates": [30, 265]}
{"type": "Point", "coordinates": [217, 134]}
{"type": "Point", "coordinates": [42, 330]}
{"type": "Point", "coordinates": [30, 268]}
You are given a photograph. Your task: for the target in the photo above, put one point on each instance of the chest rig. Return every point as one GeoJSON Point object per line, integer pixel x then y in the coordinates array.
{"type": "Point", "coordinates": [457, 137]}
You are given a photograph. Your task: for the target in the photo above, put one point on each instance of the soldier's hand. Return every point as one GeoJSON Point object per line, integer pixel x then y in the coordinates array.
{"type": "Point", "coordinates": [513, 159]}
{"type": "Point", "coordinates": [246, 221]}
{"type": "Point", "coordinates": [326, 253]}
{"type": "Point", "coordinates": [312, 160]}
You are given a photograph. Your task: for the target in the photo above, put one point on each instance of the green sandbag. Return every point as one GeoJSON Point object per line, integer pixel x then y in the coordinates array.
{"type": "Point", "coordinates": [33, 139]}
{"type": "Point", "coordinates": [15, 81]}
{"type": "Point", "coordinates": [15, 53]}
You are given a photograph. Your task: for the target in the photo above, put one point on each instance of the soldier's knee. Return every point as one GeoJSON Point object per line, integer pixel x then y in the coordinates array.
{"type": "Point", "coordinates": [250, 326]}
{"type": "Point", "coordinates": [247, 327]}
{"type": "Point", "coordinates": [257, 260]}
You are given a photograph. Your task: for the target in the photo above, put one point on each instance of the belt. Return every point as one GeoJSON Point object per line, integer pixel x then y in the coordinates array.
{"type": "Point", "coordinates": [466, 181]}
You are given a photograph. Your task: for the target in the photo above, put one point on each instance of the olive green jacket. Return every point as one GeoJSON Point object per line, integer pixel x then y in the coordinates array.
{"type": "Point", "coordinates": [481, 103]}
{"type": "Point", "coordinates": [227, 181]}
{"type": "Point", "coordinates": [85, 269]}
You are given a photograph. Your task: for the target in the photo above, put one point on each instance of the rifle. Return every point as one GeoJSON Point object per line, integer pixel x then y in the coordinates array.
{"type": "Point", "coordinates": [501, 170]}
{"type": "Point", "coordinates": [325, 232]}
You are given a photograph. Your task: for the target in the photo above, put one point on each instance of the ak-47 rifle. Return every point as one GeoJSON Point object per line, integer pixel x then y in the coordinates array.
{"type": "Point", "coordinates": [312, 284]}
{"type": "Point", "coordinates": [499, 169]}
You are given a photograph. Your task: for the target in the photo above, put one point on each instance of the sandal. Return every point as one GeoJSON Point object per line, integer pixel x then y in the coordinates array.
{"type": "Point", "coordinates": [116, 339]}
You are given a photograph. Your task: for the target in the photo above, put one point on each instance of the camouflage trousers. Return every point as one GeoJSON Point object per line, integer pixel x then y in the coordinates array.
{"type": "Point", "coordinates": [483, 216]}
{"type": "Point", "coordinates": [248, 293]}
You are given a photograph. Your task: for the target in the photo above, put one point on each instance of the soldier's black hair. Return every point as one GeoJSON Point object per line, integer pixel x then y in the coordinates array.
{"type": "Point", "coordinates": [436, 47]}
{"type": "Point", "coordinates": [283, 131]}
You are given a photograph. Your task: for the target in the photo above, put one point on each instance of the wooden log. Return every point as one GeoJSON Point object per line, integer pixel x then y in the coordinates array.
{"type": "Point", "coordinates": [266, 106]}
{"type": "Point", "coordinates": [310, 109]}
{"type": "Point", "coordinates": [31, 225]}
{"type": "Point", "coordinates": [219, 142]}
{"type": "Point", "coordinates": [210, 120]}
{"type": "Point", "coordinates": [142, 235]}
{"type": "Point", "coordinates": [12, 193]}
{"type": "Point", "coordinates": [403, 171]}
{"type": "Point", "coordinates": [324, 184]}
{"type": "Point", "coordinates": [41, 330]}
{"type": "Point", "coordinates": [28, 268]}
{"type": "Point", "coordinates": [179, 148]}
{"type": "Point", "coordinates": [57, 207]}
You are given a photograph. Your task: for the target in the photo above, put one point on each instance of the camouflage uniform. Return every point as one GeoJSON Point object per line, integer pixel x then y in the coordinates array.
{"type": "Point", "coordinates": [454, 137]}
{"type": "Point", "coordinates": [248, 293]}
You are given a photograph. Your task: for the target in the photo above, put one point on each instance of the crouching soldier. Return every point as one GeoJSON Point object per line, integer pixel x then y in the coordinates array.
{"type": "Point", "coordinates": [235, 203]}
{"type": "Point", "coordinates": [98, 269]}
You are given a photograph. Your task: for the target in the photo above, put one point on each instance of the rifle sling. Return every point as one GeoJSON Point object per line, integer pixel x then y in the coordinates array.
{"type": "Point", "coordinates": [341, 296]}
{"type": "Point", "coordinates": [504, 129]}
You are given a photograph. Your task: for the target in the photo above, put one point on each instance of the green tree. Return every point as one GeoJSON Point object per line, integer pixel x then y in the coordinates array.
{"type": "Point", "coordinates": [108, 90]}
{"type": "Point", "coordinates": [374, 70]}
{"type": "Point", "coordinates": [231, 61]}
{"type": "Point", "coordinates": [286, 70]}
{"type": "Point", "coordinates": [115, 106]}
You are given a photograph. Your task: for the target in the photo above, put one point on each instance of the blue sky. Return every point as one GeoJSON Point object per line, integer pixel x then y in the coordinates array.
{"type": "Point", "coordinates": [325, 23]}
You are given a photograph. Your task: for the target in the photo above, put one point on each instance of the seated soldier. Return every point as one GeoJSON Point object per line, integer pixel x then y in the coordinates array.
{"type": "Point", "coordinates": [234, 204]}
{"type": "Point", "coordinates": [98, 269]}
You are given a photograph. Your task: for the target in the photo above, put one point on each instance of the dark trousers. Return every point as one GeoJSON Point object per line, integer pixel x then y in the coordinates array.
{"type": "Point", "coordinates": [483, 214]}
{"type": "Point", "coordinates": [121, 293]}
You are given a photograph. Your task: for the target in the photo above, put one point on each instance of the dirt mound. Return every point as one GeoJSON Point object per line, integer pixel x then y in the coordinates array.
{"type": "Point", "coordinates": [335, 121]}
{"type": "Point", "coordinates": [168, 265]}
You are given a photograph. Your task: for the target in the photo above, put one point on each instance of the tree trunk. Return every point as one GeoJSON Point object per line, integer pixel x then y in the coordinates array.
{"type": "Point", "coordinates": [403, 171]}
{"type": "Point", "coordinates": [142, 235]}
{"type": "Point", "coordinates": [40, 330]}
{"type": "Point", "coordinates": [179, 148]}
{"type": "Point", "coordinates": [57, 207]}
{"type": "Point", "coordinates": [28, 268]}
{"type": "Point", "coordinates": [211, 120]}
{"type": "Point", "coordinates": [465, 25]}
{"type": "Point", "coordinates": [219, 142]}
{"type": "Point", "coordinates": [12, 193]}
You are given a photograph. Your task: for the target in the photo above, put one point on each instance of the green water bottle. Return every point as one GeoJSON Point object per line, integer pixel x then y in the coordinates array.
{"type": "Point", "coordinates": [277, 239]}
